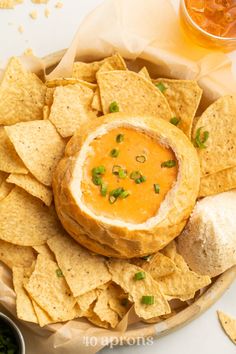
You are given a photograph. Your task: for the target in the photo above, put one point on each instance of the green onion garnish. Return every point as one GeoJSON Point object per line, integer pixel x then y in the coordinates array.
{"type": "Point", "coordinates": [140, 276]}
{"type": "Point", "coordinates": [124, 194]}
{"type": "Point", "coordinates": [200, 142]}
{"type": "Point", "coordinates": [97, 180]}
{"type": "Point", "coordinates": [114, 107]}
{"type": "Point", "coordinates": [161, 86]}
{"type": "Point", "coordinates": [141, 158]}
{"type": "Point", "coordinates": [114, 153]}
{"type": "Point", "coordinates": [116, 169]}
{"type": "Point", "coordinates": [175, 121]}
{"type": "Point", "coordinates": [169, 163]}
{"type": "Point", "coordinates": [122, 173]}
{"type": "Point", "coordinates": [120, 138]}
{"type": "Point", "coordinates": [103, 189]}
{"type": "Point", "coordinates": [140, 180]}
{"type": "Point", "coordinates": [135, 174]}
{"type": "Point", "coordinates": [116, 192]}
{"type": "Point", "coordinates": [59, 273]}
{"type": "Point", "coordinates": [100, 170]}
{"type": "Point", "coordinates": [112, 199]}
{"type": "Point", "coordinates": [148, 300]}
{"type": "Point", "coordinates": [156, 188]}
{"type": "Point", "coordinates": [147, 258]}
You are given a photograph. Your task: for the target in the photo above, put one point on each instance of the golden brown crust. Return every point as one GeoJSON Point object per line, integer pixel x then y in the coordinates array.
{"type": "Point", "coordinates": [117, 241]}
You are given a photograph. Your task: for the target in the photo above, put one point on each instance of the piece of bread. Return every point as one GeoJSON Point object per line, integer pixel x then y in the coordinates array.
{"type": "Point", "coordinates": [113, 237]}
{"type": "Point", "coordinates": [208, 242]}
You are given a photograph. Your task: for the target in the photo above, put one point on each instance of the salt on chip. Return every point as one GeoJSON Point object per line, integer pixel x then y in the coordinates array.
{"type": "Point", "coordinates": [9, 160]}
{"type": "Point", "coordinates": [82, 270]}
{"type": "Point", "coordinates": [24, 307]}
{"type": "Point", "coordinates": [71, 108]}
{"type": "Point", "coordinates": [88, 71]}
{"type": "Point", "coordinates": [16, 256]}
{"type": "Point", "coordinates": [25, 220]}
{"type": "Point", "coordinates": [32, 186]}
{"type": "Point", "coordinates": [39, 146]}
{"type": "Point", "coordinates": [132, 93]}
{"type": "Point", "coordinates": [144, 72]}
{"type": "Point", "coordinates": [220, 148]}
{"type": "Point", "coordinates": [183, 97]}
{"type": "Point", "coordinates": [228, 324]}
{"type": "Point", "coordinates": [50, 290]}
{"type": "Point", "coordinates": [123, 274]}
{"type": "Point", "coordinates": [22, 95]}
{"type": "Point", "coordinates": [103, 310]}
{"type": "Point", "coordinates": [218, 182]}
{"type": "Point", "coordinates": [45, 251]}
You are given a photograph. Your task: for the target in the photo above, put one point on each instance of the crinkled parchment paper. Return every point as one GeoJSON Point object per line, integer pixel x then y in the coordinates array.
{"type": "Point", "coordinates": [145, 32]}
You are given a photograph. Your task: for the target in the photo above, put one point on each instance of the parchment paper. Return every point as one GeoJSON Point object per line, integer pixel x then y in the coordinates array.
{"type": "Point", "coordinates": [145, 32]}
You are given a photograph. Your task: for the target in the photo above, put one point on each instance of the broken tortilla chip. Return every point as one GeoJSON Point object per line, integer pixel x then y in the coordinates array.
{"type": "Point", "coordinates": [45, 251]}
{"type": "Point", "coordinates": [39, 146]}
{"type": "Point", "coordinates": [32, 186]}
{"type": "Point", "coordinates": [215, 134]}
{"type": "Point", "coordinates": [103, 310]}
{"type": "Point", "coordinates": [132, 93]}
{"type": "Point", "coordinates": [16, 256]}
{"type": "Point", "coordinates": [83, 271]}
{"type": "Point", "coordinates": [85, 300]}
{"type": "Point", "coordinates": [183, 97]}
{"type": "Point", "coordinates": [159, 266]}
{"type": "Point", "coordinates": [144, 72]}
{"type": "Point", "coordinates": [25, 220]}
{"type": "Point", "coordinates": [218, 182]}
{"type": "Point", "coordinates": [228, 324]}
{"type": "Point", "coordinates": [22, 95]}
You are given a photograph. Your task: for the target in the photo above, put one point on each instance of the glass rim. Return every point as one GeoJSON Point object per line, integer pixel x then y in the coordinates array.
{"type": "Point", "coordinates": [213, 36]}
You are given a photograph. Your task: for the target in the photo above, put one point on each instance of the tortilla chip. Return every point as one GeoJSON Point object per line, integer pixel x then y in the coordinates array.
{"type": "Point", "coordinates": [96, 102]}
{"type": "Point", "coordinates": [85, 300]}
{"type": "Point", "coordinates": [49, 96]}
{"type": "Point", "coordinates": [160, 266]}
{"type": "Point", "coordinates": [144, 72]}
{"type": "Point", "coordinates": [183, 97]}
{"type": "Point", "coordinates": [69, 81]}
{"type": "Point", "coordinates": [118, 300]}
{"type": "Point", "coordinates": [71, 108]}
{"type": "Point", "coordinates": [228, 324]}
{"type": "Point", "coordinates": [16, 256]}
{"type": "Point", "coordinates": [5, 189]}
{"type": "Point", "coordinates": [88, 71]}
{"type": "Point", "coordinates": [103, 310]}
{"type": "Point", "coordinates": [45, 251]}
{"type": "Point", "coordinates": [24, 307]}
{"type": "Point", "coordinates": [32, 186]}
{"type": "Point", "coordinates": [3, 177]}
{"type": "Point", "coordinates": [93, 318]}
{"type": "Point", "coordinates": [133, 94]}
{"type": "Point", "coordinates": [42, 316]}
{"type": "Point", "coordinates": [9, 160]}
{"type": "Point", "coordinates": [22, 95]}
{"type": "Point", "coordinates": [26, 221]}
{"type": "Point", "coordinates": [123, 274]}
{"type": "Point", "coordinates": [46, 112]}
{"type": "Point", "coordinates": [51, 291]}
{"type": "Point", "coordinates": [39, 146]}
{"type": "Point", "coordinates": [220, 148]}
{"type": "Point", "coordinates": [82, 270]}
{"type": "Point", "coordinates": [219, 182]}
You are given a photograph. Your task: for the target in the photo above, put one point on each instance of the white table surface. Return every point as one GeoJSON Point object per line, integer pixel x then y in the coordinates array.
{"type": "Point", "coordinates": [46, 35]}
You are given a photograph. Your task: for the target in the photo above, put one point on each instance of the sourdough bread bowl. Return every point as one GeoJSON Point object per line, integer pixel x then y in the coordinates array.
{"type": "Point", "coordinates": [116, 234]}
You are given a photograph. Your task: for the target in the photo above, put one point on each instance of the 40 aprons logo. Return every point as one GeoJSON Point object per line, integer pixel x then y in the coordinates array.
{"type": "Point", "coordinates": [92, 341]}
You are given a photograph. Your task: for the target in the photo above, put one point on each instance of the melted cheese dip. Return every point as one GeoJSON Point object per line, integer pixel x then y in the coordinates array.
{"type": "Point", "coordinates": [131, 163]}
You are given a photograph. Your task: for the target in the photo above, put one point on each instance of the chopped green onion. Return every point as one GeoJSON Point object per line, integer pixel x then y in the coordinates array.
{"type": "Point", "coordinates": [148, 300]}
{"type": "Point", "coordinates": [100, 170]}
{"type": "Point", "coordinates": [156, 188]}
{"type": "Point", "coordinates": [140, 276]}
{"type": "Point", "coordinates": [116, 169]}
{"type": "Point", "coordinates": [169, 163]}
{"type": "Point", "coordinates": [147, 258]}
{"type": "Point", "coordinates": [114, 153]}
{"type": "Point", "coordinates": [112, 199]}
{"type": "Point", "coordinates": [59, 273]}
{"type": "Point", "coordinates": [114, 107]}
{"type": "Point", "coordinates": [198, 142]}
{"type": "Point", "coordinates": [120, 138]}
{"type": "Point", "coordinates": [122, 173]}
{"type": "Point", "coordinates": [104, 189]}
{"type": "Point", "coordinates": [116, 192]}
{"type": "Point", "coordinates": [141, 158]}
{"type": "Point", "coordinates": [97, 180]}
{"type": "Point", "coordinates": [161, 86]}
{"type": "Point", "coordinates": [124, 194]}
{"type": "Point", "coordinates": [140, 180]}
{"type": "Point", "coordinates": [135, 174]}
{"type": "Point", "coordinates": [175, 121]}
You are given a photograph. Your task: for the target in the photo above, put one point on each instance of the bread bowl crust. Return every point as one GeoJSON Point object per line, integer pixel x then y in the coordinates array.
{"type": "Point", "coordinates": [121, 241]}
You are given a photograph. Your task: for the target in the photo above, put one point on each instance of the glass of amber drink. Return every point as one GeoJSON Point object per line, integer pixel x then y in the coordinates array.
{"type": "Point", "coordinates": [210, 23]}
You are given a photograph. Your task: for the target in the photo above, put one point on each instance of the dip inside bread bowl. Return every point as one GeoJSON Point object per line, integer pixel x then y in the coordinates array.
{"type": "Point", "coordinates": [126, 185]}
